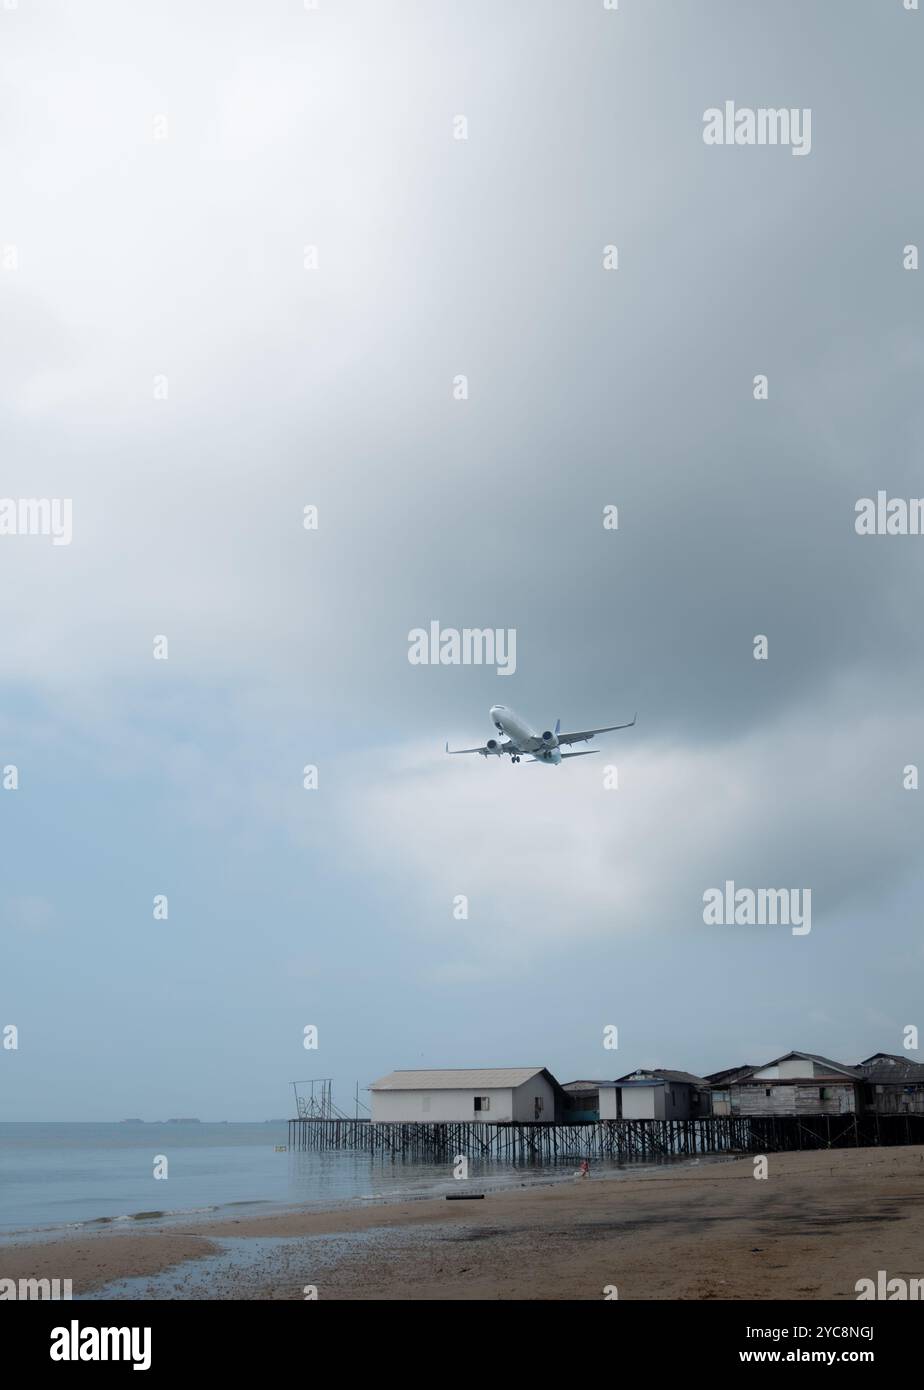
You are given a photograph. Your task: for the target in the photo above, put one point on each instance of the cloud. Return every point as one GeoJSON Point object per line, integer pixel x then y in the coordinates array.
{"type": "Point", "coordinates": [455, 972]}
{"type": "Point", "coordinates": [184, 257]}
{"type": "Point", "coordinates": [32, 914]}
{"type": "Point", "coordinates": [550, 860]}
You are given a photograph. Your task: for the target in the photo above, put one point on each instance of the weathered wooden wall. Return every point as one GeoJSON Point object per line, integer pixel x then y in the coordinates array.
{"type": "Point", "coordinates": [796, 1099]}
{"type": "Point", "coordinates": [898, 1100]}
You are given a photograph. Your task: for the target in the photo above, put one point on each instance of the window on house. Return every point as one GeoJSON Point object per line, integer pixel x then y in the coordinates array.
{"type": "Point", "coordinates": [482, 1102]}
{"type": "Point", "coordinates": [824, 1093]}
{"type": "Point", "coordinates": [767, 1091]}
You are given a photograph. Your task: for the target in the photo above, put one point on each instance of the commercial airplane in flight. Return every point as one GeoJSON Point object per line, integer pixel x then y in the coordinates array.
{"type": "Point", "coordinates": [544, 748]}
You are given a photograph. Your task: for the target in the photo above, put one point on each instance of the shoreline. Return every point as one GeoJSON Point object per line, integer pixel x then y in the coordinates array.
{"type": "Point", "coordinates": [492, 1183]}
{"type": "Point", "coordinates": [817, 1224]}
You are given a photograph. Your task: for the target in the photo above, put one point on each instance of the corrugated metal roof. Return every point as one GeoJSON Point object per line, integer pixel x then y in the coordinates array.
{"type": "Point", "coordinates": [687, 1077]}
{"type": "Point", "coordinates": [827, 1062]}
{"type": "Point", "coordinates": [810, 1057]}
{"type": "Point", "coordinates": [655, 1074]}
{"type": "Point", "coordinates": [722, 1078]}
{"type": "Point", "coordinates": [483, 1078]}
{"type": "Point", "coordinates": [884, 1068]}
{"type": "Point", "coordinates": [819, 1079]}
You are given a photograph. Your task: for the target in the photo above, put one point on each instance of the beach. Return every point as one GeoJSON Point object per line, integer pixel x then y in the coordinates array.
{"type": "Point", "coordinates": [815, 1226]}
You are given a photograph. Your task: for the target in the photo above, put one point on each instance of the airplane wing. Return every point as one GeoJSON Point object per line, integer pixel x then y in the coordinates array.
{"type": "Point", "coordinates": [585, 735]}
{"type": "Point", "coordinates": [484, 751]}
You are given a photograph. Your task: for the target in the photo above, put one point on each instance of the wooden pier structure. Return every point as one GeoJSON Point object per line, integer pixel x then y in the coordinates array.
{"type": "Point", "coordinates": [619, 1139]}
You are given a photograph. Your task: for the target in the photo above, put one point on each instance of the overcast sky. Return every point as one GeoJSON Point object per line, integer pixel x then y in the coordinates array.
{"type": "Point", "coordinates": [163, 168]}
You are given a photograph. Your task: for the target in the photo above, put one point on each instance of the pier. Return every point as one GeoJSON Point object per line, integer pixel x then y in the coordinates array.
{"type": "Point", "coordinates": [619, 1139]}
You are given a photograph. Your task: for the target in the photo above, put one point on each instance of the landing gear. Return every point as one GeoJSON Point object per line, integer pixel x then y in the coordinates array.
{"type": "Point", "coordinates": [514, 758]}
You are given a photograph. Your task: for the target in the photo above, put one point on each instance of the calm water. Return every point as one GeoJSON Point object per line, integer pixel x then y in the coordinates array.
{"type": "Point", "coordinates": [66, 1174]}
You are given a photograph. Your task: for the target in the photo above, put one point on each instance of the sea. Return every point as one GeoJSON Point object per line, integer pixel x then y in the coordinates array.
{"type": "Point", "coordinates": [57, 1175]}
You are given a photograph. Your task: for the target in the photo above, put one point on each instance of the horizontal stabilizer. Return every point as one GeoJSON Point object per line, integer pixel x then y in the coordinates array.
{"type": "Point", "coordinates": [584, 753]}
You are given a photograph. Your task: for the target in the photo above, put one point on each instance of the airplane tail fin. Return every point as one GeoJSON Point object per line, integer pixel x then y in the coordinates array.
{"type": "Point", "coordinates": [557, 727]}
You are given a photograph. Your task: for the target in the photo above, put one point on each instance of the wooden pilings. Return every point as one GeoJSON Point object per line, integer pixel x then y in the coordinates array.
{"type": "Point", "coordinates": [629, 1139]}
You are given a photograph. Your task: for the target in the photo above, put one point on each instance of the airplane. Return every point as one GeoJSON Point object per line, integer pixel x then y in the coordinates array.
{"type": "Point", "coordinates": [544, 748]}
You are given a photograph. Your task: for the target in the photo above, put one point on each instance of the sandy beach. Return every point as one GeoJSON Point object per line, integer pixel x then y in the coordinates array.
{"type": "Point", "coordinates": [816, 1225]}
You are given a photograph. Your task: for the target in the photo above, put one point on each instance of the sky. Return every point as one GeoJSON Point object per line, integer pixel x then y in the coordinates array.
{"type": "Point", "coordinates": [170, 363]}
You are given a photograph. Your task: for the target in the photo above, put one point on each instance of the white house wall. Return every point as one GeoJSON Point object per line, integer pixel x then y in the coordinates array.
{"type": "Point", "coordinates": [797, 1066]}
{"type": "Point", "coordinates": [790, 1069]}
{"type": "Point", "coordinates": [524, 1101]}
{"type": "Point", "coordinates": [609, 1098]}
{"type": "Point", "coordinates": [506, 1104]}
{"type": "Point", "coordinates": [441, 1107]}
{"type": "Point", "coordinates": [643, 1102]}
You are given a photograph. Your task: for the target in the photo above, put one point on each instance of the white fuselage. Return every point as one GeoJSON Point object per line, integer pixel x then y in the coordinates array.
{"type": "Point", "coordinates": [523, 738]}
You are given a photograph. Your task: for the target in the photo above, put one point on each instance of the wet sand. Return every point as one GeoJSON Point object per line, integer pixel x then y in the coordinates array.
{"type": "Point", "coordinates": [819, 1222]}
